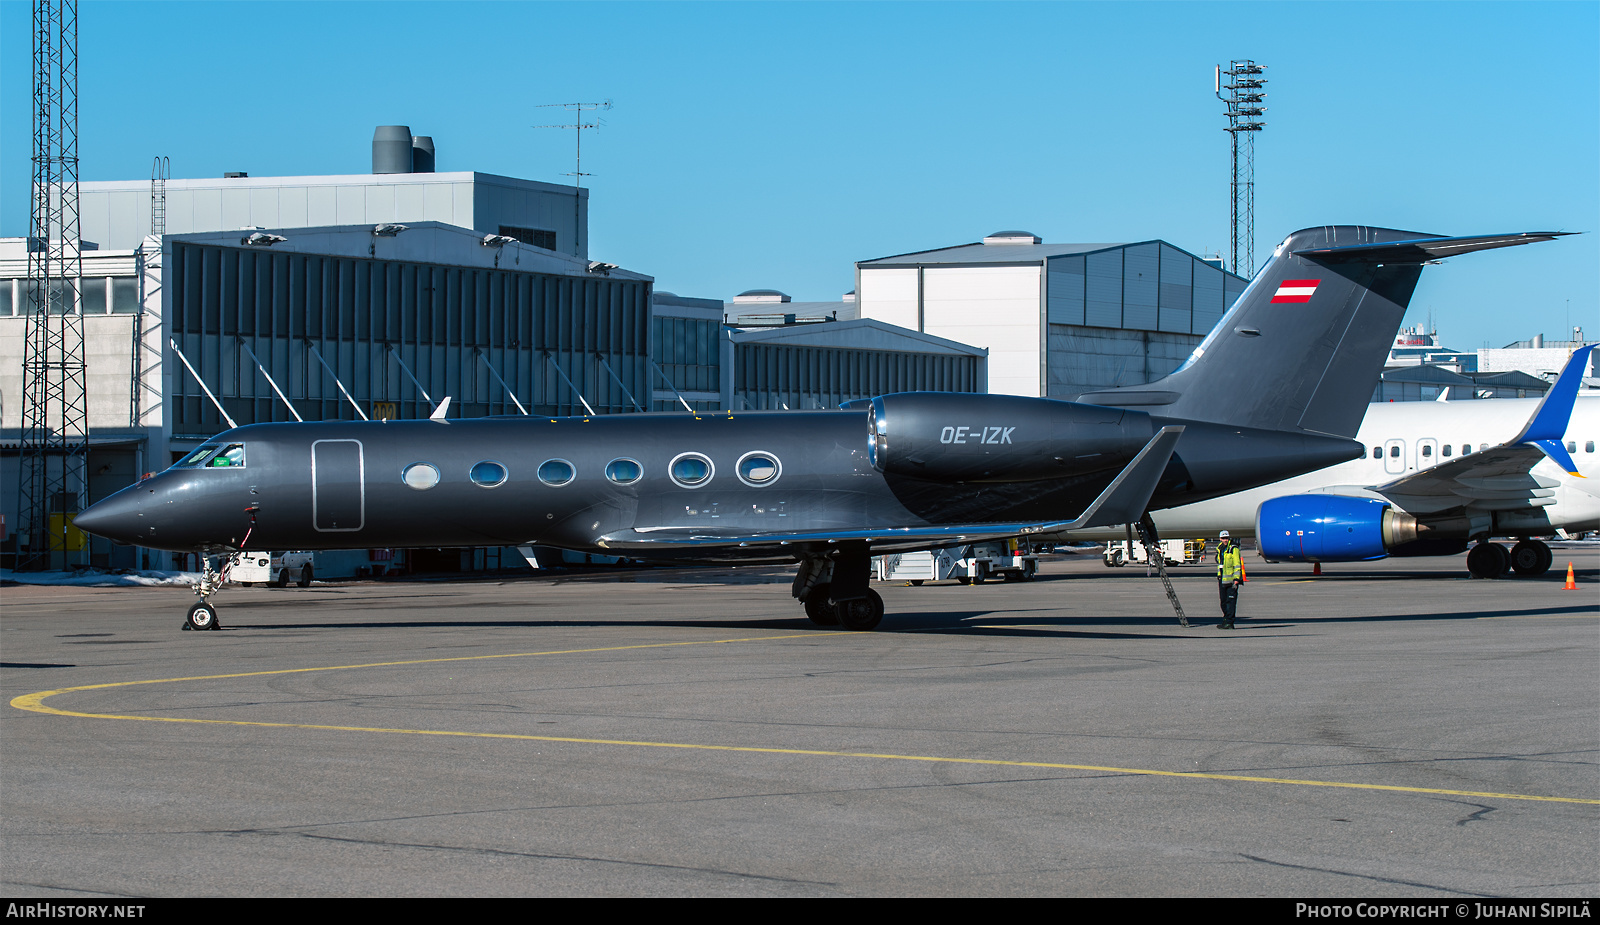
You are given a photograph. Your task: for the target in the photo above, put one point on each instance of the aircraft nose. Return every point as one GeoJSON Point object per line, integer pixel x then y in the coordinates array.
{"type": "Point", "coordinates": [116, 517]}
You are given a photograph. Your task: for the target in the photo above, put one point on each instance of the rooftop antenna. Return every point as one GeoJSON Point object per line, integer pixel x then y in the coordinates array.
{"type": "Point", "coordinates": [1244, 98]}
{"type": "Point", "coordinates": [577, 174]}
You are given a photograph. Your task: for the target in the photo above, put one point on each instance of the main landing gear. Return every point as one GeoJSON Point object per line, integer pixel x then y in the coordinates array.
{"type": "Point", "coordinates": [834, 589]}
{"type": "Point", "coordinates": [1529, 558]}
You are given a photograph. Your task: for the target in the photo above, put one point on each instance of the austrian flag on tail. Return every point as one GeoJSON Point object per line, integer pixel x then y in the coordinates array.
{"type": "Point", "coordinates": [1295, 290]}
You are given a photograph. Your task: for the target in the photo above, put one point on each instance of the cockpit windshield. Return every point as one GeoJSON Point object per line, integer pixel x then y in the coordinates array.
{"type": "Point", "coordinates": [214, 456]}
{"type": "Point", "coordinates": [197, 457]}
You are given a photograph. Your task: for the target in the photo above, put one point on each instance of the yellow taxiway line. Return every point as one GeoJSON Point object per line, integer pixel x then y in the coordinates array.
{"type": "Point", "coordinates": [35, 703]}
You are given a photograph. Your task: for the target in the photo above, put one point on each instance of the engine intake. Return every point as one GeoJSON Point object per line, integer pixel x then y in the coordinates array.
{"type": "Point", "coordinates": [961, 437]}
{"type": "Point", "coordinates": [1332, 528]}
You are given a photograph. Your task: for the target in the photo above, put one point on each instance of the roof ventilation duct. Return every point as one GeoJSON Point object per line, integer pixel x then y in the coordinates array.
{"type": "Point", "coordinates": [761, 295]}
{"type": "Point", "coordinates": [422, 154]}
{"type": "Point", "coordinates": [391, 149]}
{"type": "Point", "coordinates": [1012, 237]}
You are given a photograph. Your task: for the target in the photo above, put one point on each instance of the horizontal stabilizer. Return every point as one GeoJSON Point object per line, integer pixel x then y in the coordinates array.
{"type": "Point", "coordinates": [1422, 250]}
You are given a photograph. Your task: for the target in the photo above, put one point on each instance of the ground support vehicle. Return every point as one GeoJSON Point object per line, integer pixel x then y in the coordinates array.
{"type": "Point", "coordinates": [974, 564]}
{"type": "Point", "coordinates": [275, 568]}
{"type": "Point", "coordinates": [1175, 552]}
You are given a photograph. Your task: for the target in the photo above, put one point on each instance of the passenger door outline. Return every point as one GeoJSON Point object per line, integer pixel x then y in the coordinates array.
{"type": "Point", "coordinates": [1392, 464]}
{"type": "Point", "coordinates": [326, 509]}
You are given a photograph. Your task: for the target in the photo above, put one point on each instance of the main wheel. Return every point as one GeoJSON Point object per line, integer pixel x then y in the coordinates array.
{"type": "Point", "coordinates": [818, 609]}
{"type": "Point", "coordinates": [1530, 558]}
{"type": "Point", "coordinates": [305, 576]}
{"type": "Point", "coordinates": [202, 616]}
{"type": "Point", "coordinates": [1487, 560]}
{"type": "Point", "coordinates": [862, 613]}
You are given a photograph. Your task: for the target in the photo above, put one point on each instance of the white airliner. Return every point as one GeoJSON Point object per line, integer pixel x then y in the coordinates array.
{"type": "Point", "coordinates": [1435, 477]}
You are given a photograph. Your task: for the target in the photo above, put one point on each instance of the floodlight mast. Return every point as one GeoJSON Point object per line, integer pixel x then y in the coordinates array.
{"type": "Point", "coordinates": [1244, 99]}
{"type": "Point", "coordinates": [578, 125]}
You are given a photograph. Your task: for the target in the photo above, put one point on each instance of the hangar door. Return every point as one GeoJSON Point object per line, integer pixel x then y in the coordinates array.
{"type": "Point", "coordinates": [338, 486]}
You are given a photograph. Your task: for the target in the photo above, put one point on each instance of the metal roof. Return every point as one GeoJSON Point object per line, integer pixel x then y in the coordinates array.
{"type": "Point", "coordinates": [1427, 375]}
{"type": "Point", "coordinates": [421, 242]}
{"type": "Point", "coordinates": [980, 253]}
{"type": "Point", "coordinates": [860, 334]}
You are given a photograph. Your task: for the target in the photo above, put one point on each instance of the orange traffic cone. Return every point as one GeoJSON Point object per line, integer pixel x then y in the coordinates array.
{"type": "Point", "coordinates": [1316, 568]}
{"type": "Point", "coordinates": [1243, 575]}
{"type": "Point", "coordinates": [1571, 584]}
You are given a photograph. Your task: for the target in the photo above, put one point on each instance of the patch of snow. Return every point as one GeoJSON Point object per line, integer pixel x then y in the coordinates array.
{"type": "Point", "coordinates": [96, 578]}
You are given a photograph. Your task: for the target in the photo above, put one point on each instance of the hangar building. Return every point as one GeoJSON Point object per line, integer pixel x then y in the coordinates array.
{"type": "Point", "coordinates": [1058, 319]}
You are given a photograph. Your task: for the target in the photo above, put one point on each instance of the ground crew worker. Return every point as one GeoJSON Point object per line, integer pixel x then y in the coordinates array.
{"type": "Point", "coordinates": [1230, 572]}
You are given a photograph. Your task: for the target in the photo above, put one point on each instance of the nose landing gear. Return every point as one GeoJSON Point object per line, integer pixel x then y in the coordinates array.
{"type": "Point", "coordinates": [203, 615]}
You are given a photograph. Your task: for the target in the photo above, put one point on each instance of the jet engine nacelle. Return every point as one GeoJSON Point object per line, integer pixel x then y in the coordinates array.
{"type": "Point", "coordinates": [961, 437]}
{"type": "Point", "coordinates": [1331, 528]}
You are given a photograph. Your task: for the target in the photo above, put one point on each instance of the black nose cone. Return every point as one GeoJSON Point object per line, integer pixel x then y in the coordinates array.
{"type": "Point", "coordinates": [116, 517]}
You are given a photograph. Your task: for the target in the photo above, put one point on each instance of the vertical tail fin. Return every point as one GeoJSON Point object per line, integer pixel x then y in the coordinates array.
{"type": "Point", "coordinates": [1303, 347]}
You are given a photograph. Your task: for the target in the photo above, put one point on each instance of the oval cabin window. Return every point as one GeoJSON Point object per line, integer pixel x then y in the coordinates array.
{"type": "Point", "coordinates": [556, 472]}
{"type": "Point", "coordinates": [759, 468]}
{"type": "Point", "coordinates": [488, 474]}
{"type": "Point", "coordinates": [624, 471]}
{"type": "Point", "coordinates": [421, 476]}
{"type": "Point", "coordinates": [691, 470]}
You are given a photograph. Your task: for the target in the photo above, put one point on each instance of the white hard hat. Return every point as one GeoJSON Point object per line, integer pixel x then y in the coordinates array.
{"type": "Point", "coordinates": [1223, 535]}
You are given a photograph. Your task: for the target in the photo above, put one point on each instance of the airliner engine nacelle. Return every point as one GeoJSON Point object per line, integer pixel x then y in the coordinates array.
{"type": "Point", "coordinates": [1332, 528]}
{"type": "Point", "coordinates": [960, 437]}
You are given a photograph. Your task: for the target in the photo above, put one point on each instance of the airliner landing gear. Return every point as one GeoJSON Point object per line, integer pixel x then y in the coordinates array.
{"type": "Point", "coordinates": [1488, 560]}
{"type": "Point", "coordinates": [1531, 558]}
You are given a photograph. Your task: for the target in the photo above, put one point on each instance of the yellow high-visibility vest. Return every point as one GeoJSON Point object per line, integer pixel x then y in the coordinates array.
{"type": "Point", "coordinates": [1230, 564]}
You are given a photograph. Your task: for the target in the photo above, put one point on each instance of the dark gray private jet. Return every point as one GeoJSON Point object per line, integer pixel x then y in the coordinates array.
{"type": "Point", "coordinates": [1277, 389]}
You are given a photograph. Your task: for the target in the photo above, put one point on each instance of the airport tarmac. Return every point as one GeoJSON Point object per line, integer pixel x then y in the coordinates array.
{"type": "Point", "coordinates": [1387, 729]}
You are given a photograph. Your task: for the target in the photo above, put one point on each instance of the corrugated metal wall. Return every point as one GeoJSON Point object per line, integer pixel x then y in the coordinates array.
{"type": "Point", "coordinates": [775, 377]}
{"type": "Point", "coordinates": [437, 319]}
{"type": "Point", "coordinates": [1144, 287]}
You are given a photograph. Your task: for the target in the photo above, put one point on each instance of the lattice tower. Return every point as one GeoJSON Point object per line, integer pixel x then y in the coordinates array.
{"type": "Point", "coordinates": [53, 483]}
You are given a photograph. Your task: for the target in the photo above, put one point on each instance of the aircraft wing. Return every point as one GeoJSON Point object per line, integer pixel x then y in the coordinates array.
{"type": "Point", "coordinates": [1122, 501]}
{"type": "Point", "coordinates": [1501, 477]}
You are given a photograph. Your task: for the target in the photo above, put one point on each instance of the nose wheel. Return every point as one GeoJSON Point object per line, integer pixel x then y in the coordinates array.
{"type": "Point", "coordinates": [202, 616]}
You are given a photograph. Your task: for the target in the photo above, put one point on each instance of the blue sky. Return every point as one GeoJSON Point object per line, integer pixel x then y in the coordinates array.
{"type": "Point", "coordinates": [758, 145]}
